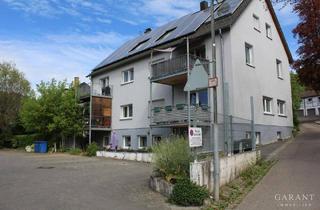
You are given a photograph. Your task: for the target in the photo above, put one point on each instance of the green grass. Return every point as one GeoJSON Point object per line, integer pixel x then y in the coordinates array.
{"type": "Point", "coordinates": [232, 193]}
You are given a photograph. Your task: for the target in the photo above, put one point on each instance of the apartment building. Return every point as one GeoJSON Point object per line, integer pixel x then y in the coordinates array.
{"type": "Point", "coordinates": [144, 79]}
{"type": "Point", "coordinates": [310, 106]}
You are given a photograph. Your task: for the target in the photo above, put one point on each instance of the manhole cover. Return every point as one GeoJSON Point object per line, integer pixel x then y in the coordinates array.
{"type": "Point", "coordinates": [45, 167]}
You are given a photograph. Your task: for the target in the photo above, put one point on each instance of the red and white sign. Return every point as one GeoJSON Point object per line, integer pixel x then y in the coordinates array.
{"type": "Point", "coordinates": [195, 137]}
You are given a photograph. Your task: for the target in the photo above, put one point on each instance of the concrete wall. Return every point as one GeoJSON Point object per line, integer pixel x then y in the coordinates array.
{"type": "Point", "coordinates": [135, 156]}
{"type": "Point", "coordinates": [230, 168]}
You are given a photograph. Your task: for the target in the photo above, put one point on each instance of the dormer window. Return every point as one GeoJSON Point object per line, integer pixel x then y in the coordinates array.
{"type": "Point", "coordinates": [166, 34]}
{"type": "Point", "coordinates": [139, 45]}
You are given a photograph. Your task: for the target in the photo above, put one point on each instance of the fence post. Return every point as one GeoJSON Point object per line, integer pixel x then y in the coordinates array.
{"type": "Point", "coordinates": [253, 133]}
{"type": "Point", "coordinates": [231, 135]}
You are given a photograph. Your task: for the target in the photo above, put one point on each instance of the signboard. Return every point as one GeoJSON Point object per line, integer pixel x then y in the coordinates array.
{"type": "Point", "coordinates": [195, 137]}
{"type": "Point", "coordinates": [213, 82]}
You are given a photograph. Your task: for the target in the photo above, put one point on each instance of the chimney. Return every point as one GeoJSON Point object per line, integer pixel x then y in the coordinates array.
{"type": "Point", "coordinates": [203, 5]}
{"type": "Point", "coordinates": [148, 30]}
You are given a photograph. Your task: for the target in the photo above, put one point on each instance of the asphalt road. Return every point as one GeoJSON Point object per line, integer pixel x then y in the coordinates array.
{"type": "Point", "coordinates": [58, 182]}
{"type": "Point", "coordinates": [294, 182]}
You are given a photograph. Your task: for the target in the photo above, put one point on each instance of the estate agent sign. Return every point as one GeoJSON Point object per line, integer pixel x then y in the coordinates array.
{"type": "Point", "coordinates": [195, 137]}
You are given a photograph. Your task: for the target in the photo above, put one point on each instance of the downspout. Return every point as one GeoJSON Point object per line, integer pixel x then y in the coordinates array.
{"type": "Point", "coordinates": [224, 96]}
{"type": "Point", "coordinates": [90, 110]}
{"type": "Point", "coordinates": [150, 96]}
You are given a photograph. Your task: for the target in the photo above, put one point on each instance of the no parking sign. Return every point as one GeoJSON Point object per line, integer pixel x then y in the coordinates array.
{"type": "Point", "coordinates": [195, 137]}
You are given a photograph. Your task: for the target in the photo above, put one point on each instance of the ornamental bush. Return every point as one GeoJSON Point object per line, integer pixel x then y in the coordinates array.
{"type": "Point", "coordinates": [75, 151]}
{"type": "Point", "coordinates": [21, 141]}
{"type": "Point", "coordinates": [171, 158]}
{"type": "Point", "coordinates": [92, 149]}
{"type": "Point", "coordinates": [187, 193]}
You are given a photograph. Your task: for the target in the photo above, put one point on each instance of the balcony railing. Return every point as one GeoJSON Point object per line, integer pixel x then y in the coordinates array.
{"type": "Point", "coordinates": [104, 91]}
{"type": "Point", "coordinates": [310, 104]}
{"type": "Point", "coordinates": [174, 66]}
{"type": "Point", "coordinates": [100, 122]}
{"type": "Point", "coordinates": [178, 114]}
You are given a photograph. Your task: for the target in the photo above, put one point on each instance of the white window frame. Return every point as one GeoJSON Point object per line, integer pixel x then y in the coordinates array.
{"type": "Point", "coordinates": [256, 22]}
{"type": "Point", "coordinates": [281, 103]}
{"type": "Point", "coordinates": [127, 108]}
{"type": "Point", "coordinates": [250, 60]}
{"type": "Point", "coordinates": [279, 69]}
{"type": "Point", "coordinates": [268, 31]}
{"type": "Point", "coordinates": [124, 139]}
{"type": "Point", "coordinates": [130, 75]}
{"type": "Point", "coordinates": [267, 100]}
{"type": "Point", "coordinates": [139, 142]}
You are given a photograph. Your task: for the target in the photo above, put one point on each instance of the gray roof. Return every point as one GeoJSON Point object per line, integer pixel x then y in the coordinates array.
{"type": "Point", "coordinates": [182, 27]}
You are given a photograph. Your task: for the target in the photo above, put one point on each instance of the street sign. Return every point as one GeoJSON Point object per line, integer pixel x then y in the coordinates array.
{"type": "Point", "coordinates": [213, 82]}
{"type": "Point", "coordinates": [195, 137]}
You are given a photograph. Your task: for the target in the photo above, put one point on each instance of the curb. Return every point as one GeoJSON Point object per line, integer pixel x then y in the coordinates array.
{"type": "Point", "coordinates": [278, 150]}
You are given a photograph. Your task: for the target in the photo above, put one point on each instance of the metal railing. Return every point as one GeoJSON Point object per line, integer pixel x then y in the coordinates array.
{"type": "Point", "coordinates": [175, 66]}
{"type": "Point", "coordinates": [178, 114]}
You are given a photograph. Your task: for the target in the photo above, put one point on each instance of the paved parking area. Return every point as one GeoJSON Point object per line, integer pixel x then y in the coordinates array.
{"type": "Point", "coordinates": [60, 181]}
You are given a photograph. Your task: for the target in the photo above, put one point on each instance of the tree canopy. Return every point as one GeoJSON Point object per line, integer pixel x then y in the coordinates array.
{"type": "Point", "coordinates": [13, 88]}
{"type": "Point", "coordinates": [55, 112]}
{"type": "Point", "coordinates": [296, 90]}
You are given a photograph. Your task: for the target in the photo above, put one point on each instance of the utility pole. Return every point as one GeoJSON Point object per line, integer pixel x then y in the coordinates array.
{"type": "Point", "coordinates": [214, 111]}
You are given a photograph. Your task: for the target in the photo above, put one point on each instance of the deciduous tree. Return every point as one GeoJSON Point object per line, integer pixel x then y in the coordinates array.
{"type": "Point", "coordinates": [13, 88]}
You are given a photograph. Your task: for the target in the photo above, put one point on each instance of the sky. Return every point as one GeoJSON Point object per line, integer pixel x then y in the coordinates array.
{"type": "Point", "coordinates": [66, 38]}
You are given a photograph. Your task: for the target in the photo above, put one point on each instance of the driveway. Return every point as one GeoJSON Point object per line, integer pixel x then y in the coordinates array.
{"type": "Point", "coordinates": [294, 182]}
{"type": "Point", "coordinates": [60, 181]}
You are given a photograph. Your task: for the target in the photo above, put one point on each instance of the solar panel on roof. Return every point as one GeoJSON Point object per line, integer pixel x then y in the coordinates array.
{"type": "Point", "coordinates": [183, 26]}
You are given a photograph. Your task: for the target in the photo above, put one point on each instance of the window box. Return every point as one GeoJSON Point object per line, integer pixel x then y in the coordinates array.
{"type": "Point", "coordinates": [168, 108]}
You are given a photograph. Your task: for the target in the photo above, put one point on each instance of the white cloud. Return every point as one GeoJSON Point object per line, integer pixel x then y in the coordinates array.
{"type": "Point", "coordinates": [54, 58]}
{"type": "Point", "coordinates": [286, 15]}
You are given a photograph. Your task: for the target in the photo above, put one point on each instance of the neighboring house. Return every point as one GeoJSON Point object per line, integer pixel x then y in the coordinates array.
{"type": "Point", "coordinates": [310, 106]}
{"type": "Point", "coordinates": [251, 52]}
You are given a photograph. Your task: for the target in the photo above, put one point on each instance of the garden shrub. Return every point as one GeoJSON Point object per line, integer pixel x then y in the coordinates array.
{"type": "Point", "coordinates": [187, 193]}
{"type": "Point", "coordinates": [171, 158]}
{"type": "Point", "coordinates": [92, 149]}
{"type": "Point", "coordinates": [21, 141]}
{"type": "Point", "coordinates": [75, 151]}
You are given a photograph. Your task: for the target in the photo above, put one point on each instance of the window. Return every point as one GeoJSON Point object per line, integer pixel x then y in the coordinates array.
{"type": "Point", "coordinates": [139, 45]}
{"type": "Point", "coordinates": [142, 141]}
{"type": "Point", "coordinates": [126, 142]}
{"type": "Point", "coordinates": [248, 135]}
{"type": "Point", "coordinates": [126, 111]}
{"type": "Point", "coordinates": [249, 54]}
{"type": "Point", "coordinates": [105, 82]}
{"type": "Point", "coordinates": [256, 23]}
{"type": "Point", "coordinates": [199, 98]}
{"type": "Point", "coordinates": [267, 105]}
{"type": "Point", "coordinates": [127, 76]}
{"type": "Point", "coordinates": [166, 34]}
{"type": "Point", "coordinates": [281, 107]}
{"type": "Point", "coordinates": [106, 141]}
{"type": "Point", "coordinates": [268, 31]}
{"type": "Point", "coordinates": [258, 138]}
{"type": "Point", "coordinates": [279, 69]}
{"type": "Point", "coordinates": [279, 135]}
{"type": "Point", "coordinates": [156, 139]}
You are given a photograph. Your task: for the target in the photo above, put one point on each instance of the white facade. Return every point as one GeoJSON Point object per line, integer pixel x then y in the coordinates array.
{"type": "Point", "coordinates": [259, 79]}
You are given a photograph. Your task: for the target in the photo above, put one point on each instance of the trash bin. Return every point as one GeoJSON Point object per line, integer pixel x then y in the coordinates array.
{"type": "Point", "coordinates": [40, 146]}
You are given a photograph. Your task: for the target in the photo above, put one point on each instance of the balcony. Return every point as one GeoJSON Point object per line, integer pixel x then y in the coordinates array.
{"type": "Point", "coordinates": [173, 71]}
{"type": "Point", "coordinates": [101, 122]}
{"type": "Point", "coordinates": [178, 115]}
{"type": "Point", "coordinates": [103, 92]}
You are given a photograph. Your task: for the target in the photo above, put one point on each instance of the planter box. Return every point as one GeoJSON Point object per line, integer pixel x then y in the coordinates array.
{"type": "Point", "coordinates": [135, 156]}
{"type": "Point", "coordinates": [160, 185]}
